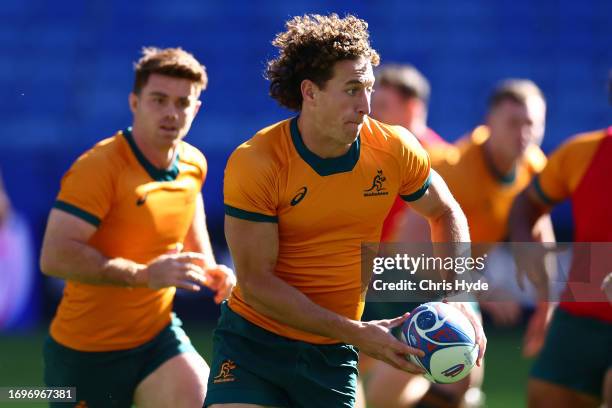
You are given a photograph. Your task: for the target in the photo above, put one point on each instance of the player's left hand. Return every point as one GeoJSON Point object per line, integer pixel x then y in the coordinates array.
{"type": "Point", "coordinates": [220, 279]}
{"type": "Point", "coordinates": [481, 339]}
{"type": "Point", "coordinates": [606, 286]}
{"type": "Point", "coordinates": [537, 328]}
{"type": "Point", "coordinates": [503, 313]}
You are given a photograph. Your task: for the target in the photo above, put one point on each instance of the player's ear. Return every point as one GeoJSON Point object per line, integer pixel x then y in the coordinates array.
{"type": "Point", "coordinates": [133, 101]}
{"type": "Point", "coordinates": [198, 105]}
{"type": "Point", "coordinates": [309, 90]}
{"type": "Point", "coordinates": [415, 106]}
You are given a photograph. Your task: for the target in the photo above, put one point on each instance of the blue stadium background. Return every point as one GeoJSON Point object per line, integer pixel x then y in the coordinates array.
{"type": "Point", "coordinates": [66, 71]}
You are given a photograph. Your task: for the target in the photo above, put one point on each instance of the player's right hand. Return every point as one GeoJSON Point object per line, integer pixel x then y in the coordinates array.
{"type": "Point", "coordinates": [536, 329]}
{"type": "Point", "coordinates": [529, 260]}
{"type": "Point", "coordinates": [180, 270]}
{"type": "Point", "coordinates": [374, 338]}
{"type": "Point", "coordinates": [606, 286]}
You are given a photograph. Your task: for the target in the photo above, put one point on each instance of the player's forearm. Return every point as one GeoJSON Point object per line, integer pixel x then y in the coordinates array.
{"type": "Point", "coordinates": [282, 302]}
{"type": "Point", "coordinates": [450, 226]}
{"type": "Point", "coordinates": [197, 239]}
{"type": "Point", "coordinates": [81, 263]}
{"type": "Point", "coordinates": [528, 222]}
{"type": "Point", "coordinates": [523, 217]}
{"type": "Point", "coordinates": [200, 243]}
{"type": "Point", "coordinates": [450, 234]}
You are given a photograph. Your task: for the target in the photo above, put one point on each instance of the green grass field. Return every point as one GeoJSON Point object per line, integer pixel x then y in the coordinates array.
{"type": "Point", "coordinates": [505, 379]}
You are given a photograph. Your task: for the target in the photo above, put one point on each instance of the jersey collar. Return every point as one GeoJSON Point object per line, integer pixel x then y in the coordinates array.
{"type": "Point", "coordinates": [325, 167]}
{"type": "Point", "coordinates": [155, 173]}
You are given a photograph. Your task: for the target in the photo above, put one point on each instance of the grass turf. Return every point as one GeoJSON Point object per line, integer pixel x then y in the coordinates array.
{"type": "Point", "coordinates": [505, 379]}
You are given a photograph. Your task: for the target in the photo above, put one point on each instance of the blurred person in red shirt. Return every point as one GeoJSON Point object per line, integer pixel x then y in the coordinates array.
{"type": "Point", "coordinates": [16, 267]}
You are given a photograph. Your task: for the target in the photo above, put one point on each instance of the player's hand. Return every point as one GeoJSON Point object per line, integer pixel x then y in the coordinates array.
{"type": "Point", "coordinates": [536, 329]}
{"type": "Point", "coordinates": [180, 270]}
{"type": "Point", "coordinates": [481, 339]}
{"type": "Point", "coordinates": [4, 206]}
{"type": "Point", "coordinates": [374, 338]}
{"type": "Point", "coordinates": [606, 286]}
{"type": "Point", "coordinates": [220, 279]}
{"type": "Point", "coordinates": [503, 313]}
{"type": "Point", "coordinates": [530, 260]}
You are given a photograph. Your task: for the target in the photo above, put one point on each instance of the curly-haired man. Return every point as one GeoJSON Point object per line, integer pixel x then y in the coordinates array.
{"type": "Point", "coordinates": [299, 203]}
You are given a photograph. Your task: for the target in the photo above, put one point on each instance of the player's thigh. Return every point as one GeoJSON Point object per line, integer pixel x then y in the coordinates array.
{"type": "Point", "coordinates": [178, 382]}
{"type": "Point", "coordinates": [238, 406]}
{"type": "Point", "coordinates": [101, 379]}
{"type": "Point", "coordinates": [390, 387]}
{"type": "Point", "coordinates": [607, 388]}
{"type": "Point", "coordinates": [360, 398]}
{"type": "Point", "coordinates": [365, 364]}
{"type": "Point", "coordinates": [544, 394]}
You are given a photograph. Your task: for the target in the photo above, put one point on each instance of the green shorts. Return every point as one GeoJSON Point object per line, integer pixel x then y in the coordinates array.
{"type": "Point", "coordinates": [254, 366]}
{"type": "Point", "coordinates": [109, 378]}
{"type": "Point", "coordinates": [576, 354]}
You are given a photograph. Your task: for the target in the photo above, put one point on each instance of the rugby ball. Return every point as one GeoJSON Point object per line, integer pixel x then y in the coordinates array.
{"type": "Point", "coordinates": [447, 338]}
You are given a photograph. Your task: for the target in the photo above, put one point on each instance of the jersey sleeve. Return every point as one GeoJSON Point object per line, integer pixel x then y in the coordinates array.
{"type": "Point", "coordinates": [551, 184]}
{"type": "Point", "coordinates": [566, 166]}
{"type": "Point", "coordinates": [415, 166]}
{"type": "Point", "coordinates": [87, 189]}
{"type": "Point", "coordinates": [250, 187]}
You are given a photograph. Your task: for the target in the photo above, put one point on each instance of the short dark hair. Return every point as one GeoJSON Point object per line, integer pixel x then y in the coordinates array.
{"type": "Point", "coordinates": [173, 62]}
{"type": "Point", "coordinates": [309, 48]}
{"type": "Point", "coordinates": [408, 81]}
{"type": "Point", "coordinates": [515, 90]}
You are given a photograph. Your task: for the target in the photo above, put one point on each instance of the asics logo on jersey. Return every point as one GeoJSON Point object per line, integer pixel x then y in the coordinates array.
{"type": "Point", "coordinates": [225, 373]}
{"type": "Point", "coordinates": [299, 196]}
{"type": "Point", "coordinates": [141, 200]}
{"type": "Point", "coordinates": [377, 187]}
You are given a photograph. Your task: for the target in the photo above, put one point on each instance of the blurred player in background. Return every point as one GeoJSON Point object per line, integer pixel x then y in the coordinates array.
{"type": "Point", "coordinates": [125, 211]}
{"type": "Point", "coordinates": [17, 275]}
{"type": "Point", "coordinates": [484, 170]}
{"type": "Point", "coordinates": [489, 167]}
{"type": "Point", "coordinates": [402, 99]}
{"type": "Point", "coordinates": [574, 367]}
{"type": "Point", "coordinates": [301, 196]}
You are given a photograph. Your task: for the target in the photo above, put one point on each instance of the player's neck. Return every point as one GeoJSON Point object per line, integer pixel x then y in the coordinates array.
{"type": "Point", "coordinates": [318, 141]}
{"type": "Point", "coordinates": [417, 127]}
{"type": "Point", "coordinates": [161, 158]}
{"type": "Point", "coordinates": [501, 163]}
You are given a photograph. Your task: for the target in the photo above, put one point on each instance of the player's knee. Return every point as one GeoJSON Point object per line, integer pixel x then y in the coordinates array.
{"type": "Point", "coordinates": [190, 377]}
{"type": "Point", "coordinates": [376, 396]}
{"type": "Point", "coordinates": [607, 388]}
{"type": "Point", "coordinates": [394, 388]}
{"type": "Point", "coordinates": [535, 394]}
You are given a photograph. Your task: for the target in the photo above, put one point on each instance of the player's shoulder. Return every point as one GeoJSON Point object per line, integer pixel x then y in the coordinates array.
{"type": "Point", "coordinates": [462, 153]}
{"type": "Point", "coordinates": [584, 141]}
{"type": "Point", "coordinates": [191, 155]}
{"type": "Point", "coordinates": [382, 136]}
{"type": "Point", "coordinates": [107, 154]}
{"type": "Point", "coordinates": [535, 158]}
{"type": "Point", "coordinates": [269, 147]}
